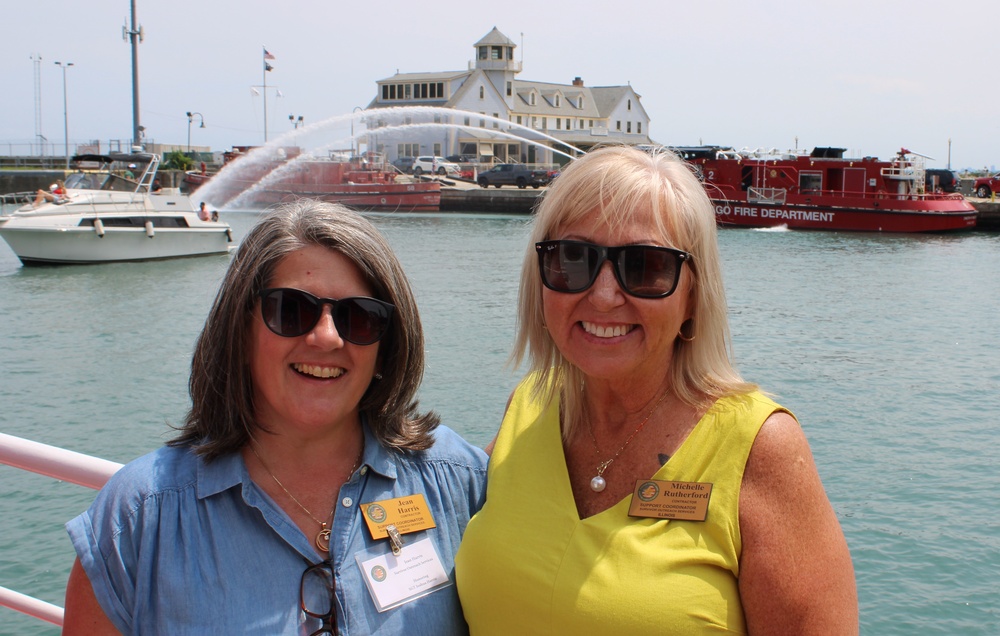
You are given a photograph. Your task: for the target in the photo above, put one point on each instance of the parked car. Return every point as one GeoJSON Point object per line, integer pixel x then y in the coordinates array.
{"type": "Point", "coordinates": [434, 165]}
{"type": "Point", "coordinates": [463, 158]}
{"type": "Point", "coordinates": [938, 178]}
{"type": "Point", "coordinates": [984, 187]}
{"type": "Point", "coordinates": [404, 164]}
{"type": "Point", "coordinates": [514, 174]}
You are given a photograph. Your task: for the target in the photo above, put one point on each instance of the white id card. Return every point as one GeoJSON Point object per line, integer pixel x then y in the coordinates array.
{"type": "Point", "coordinates": [394, 580]}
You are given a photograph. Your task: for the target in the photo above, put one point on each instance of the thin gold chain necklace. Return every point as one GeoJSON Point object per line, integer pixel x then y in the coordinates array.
{"type": "Point", "coordinates": [322, 539]}
{"type": "Point", "coordinates": [598, 483]}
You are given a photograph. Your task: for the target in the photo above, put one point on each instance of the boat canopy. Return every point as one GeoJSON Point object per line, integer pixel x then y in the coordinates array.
{"type": "Point", "coordinates": [117, 157]}
{"type": "Point", "coordinates": [146, 165]}
{"type": "Point", "coordinates": [820, 152]}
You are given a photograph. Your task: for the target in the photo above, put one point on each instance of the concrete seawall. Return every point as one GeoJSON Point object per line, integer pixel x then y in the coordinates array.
{"type": "Point", "coordinates": [496, 200]}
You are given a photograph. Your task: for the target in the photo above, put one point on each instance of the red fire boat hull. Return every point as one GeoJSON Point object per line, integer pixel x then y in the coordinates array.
{"type": "Point", "coordinates": [358, 184]}
{"type": "Point", "coordinates": [946, 216]}
{"type": "Point", "coordinates": [824, 190]}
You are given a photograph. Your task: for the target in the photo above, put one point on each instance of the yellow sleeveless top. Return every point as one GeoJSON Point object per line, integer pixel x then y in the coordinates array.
{"type": "Point", "coordinates": [529, 565]}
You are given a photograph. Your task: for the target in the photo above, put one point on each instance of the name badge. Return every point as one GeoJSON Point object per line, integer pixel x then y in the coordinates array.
{"type": "Point", "coordinates": [394, 580]}
{"type": "Point", "coordinates": [682, 500]}
{"type": "Point", "coordinates": [407, 514]}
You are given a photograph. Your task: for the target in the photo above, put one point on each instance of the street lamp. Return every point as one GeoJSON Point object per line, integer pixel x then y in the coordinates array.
{"type": "Point", "coordinates": [296, 122]}
{"type": "Point", "coordinates": [190, 115]}
{"type": "Point", "coordinates": [65, 109]}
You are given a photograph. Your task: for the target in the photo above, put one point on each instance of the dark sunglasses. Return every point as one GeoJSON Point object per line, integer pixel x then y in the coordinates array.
{"type": "Point", "coordinates": [292, 312]}
{"type": "Point", "coordinates": [645, 271]}
{"type": "Point", "coordinates": [317, 596]}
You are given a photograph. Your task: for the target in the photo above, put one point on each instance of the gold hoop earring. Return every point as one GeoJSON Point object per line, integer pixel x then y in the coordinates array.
{"type": "Point", "coordinates": [689, 323]}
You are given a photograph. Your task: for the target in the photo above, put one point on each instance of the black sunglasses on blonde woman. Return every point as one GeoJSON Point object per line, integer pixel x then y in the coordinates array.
{"type": "Point", "coordinates": [644, 271]}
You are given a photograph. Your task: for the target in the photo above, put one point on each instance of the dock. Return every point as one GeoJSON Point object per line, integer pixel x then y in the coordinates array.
{"type": "Point", "coordinates": [989, 213]}
{"type": "Point", "coordinates": [494, 200]}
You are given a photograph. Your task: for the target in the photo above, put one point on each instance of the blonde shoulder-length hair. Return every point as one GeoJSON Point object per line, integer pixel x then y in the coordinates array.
{"type": "Point", "coordinates": [616, 183]}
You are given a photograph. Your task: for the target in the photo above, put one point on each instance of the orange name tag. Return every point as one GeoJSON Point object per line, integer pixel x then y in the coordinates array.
{"type": "Point", "coordinates": [683, 500]}
{"type": "Point", "coordinates": [408, 514]}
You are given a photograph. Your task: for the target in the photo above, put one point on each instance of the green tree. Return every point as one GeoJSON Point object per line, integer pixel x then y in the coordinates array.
{"type": "Point", "coordinates": [177, 160]}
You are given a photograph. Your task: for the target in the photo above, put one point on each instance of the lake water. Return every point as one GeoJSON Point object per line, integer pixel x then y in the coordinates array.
{"type": "Point", "coordinates": [885, 347]}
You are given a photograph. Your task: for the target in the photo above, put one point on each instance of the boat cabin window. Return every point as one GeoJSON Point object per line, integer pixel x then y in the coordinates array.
{"type": "Point", "coordinates": [810, 181]}
{"type": "Point", "coordinates": [118, 184]}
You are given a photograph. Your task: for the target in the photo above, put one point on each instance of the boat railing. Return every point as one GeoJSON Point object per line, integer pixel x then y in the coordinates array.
{"type": "Point", "coordinates": [18, 198]}
{"type": "Point", "coordinates": [57, 463]}
{"type": "Point", "coordinates": [906, 172]}
{"type": "Point", "coordinates": [771, 196]}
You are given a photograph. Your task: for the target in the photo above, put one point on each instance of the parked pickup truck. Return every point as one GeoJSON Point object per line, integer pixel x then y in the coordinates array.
{"type": "Point", "coordinates": [513, 174]}
{"type": "Point", "coordinates": [984, 187]}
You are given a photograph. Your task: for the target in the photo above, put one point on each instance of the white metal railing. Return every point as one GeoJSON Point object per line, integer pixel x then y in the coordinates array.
{"type": "Point", "coordinates": [767, 195]}
{"type": "Point", "coordinates": [57, 463]}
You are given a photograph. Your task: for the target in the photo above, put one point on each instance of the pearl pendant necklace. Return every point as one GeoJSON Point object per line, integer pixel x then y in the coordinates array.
{"type": "Point", "coordinates": [598, 483]}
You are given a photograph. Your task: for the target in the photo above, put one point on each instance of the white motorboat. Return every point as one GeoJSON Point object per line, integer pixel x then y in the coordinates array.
{"type": "Point", "coordinates": [109, 215]}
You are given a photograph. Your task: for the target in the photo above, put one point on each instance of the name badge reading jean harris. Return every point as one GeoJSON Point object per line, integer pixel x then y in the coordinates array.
{"type": "Point", "coordinates": [682, 500]}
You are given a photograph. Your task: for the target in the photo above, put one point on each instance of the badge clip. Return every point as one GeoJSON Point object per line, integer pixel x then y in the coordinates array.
{"type": "Point", "coordinates": [395, 540]}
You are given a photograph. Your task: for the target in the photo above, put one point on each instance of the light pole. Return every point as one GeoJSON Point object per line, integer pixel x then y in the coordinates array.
{"type": "Point", "coordinates": [190, 116]}
{"type": "Point", "coordinates": [65, 109]}
{"type": "Point", "coordinates": [296, 122]}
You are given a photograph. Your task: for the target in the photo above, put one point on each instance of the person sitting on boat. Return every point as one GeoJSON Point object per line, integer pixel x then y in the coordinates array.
{"type": "Point", "coordinates": [129, 173]}
{"type": "Point", "coordinates": [156, 186]}
{"type": "Point", "coordinates": [203, 213]}
{"type": "Point", "coordinates": [56, 194]}
{"type": "Point", "coordinates": [638, 485]}
{"type": "Point", "coordinates": [303, 472]}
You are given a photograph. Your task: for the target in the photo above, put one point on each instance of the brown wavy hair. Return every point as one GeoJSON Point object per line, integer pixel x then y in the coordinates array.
{"type": "Point", "coordinates": [221, 419]}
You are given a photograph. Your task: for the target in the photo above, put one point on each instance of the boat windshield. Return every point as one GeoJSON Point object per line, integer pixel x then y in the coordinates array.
{"type": "Point", "coordinates": [99, 181]}
{"type": "Point", "coordinates": [85, 180]}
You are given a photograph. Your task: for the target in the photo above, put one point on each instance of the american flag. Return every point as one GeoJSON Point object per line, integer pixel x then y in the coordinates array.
{"type": "Point", "coordinates": [267, 55]}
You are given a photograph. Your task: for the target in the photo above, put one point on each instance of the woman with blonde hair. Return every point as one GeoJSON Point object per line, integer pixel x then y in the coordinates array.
{"type": "Point", "coordinates": [638, 484]}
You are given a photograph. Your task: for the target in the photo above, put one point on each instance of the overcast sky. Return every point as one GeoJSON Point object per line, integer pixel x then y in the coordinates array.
{"type": "Point", "coordinates": [867, 75]}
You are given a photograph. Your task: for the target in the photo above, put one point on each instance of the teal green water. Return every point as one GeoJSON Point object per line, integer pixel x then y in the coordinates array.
{"type": "Point", "coordinates": [885, 347]}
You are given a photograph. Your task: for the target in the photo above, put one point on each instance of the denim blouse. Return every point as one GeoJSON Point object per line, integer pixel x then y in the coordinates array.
{"type": "Point", "coordinates": [175, 545]}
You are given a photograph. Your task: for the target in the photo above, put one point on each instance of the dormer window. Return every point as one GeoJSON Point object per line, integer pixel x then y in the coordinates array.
{"type": "Point", "coordinates": [558, 101]}
{"type": "Point", "coordinates": [579, 102]}
{"type": "Point", "coordinates": [531, 99]}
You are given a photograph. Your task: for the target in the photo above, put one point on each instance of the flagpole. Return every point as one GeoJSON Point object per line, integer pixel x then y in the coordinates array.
{"type": "Point", "coordinates": [264, 73]}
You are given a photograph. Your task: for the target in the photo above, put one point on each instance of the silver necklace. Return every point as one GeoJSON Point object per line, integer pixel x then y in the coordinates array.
{"type": "Point", "coordinates": [598, 483]}
{"type": "Point", "coordinates": [322, 539]}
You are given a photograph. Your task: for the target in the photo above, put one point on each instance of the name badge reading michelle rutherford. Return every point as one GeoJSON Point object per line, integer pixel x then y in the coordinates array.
{"type": "Point", "coordinates": [408, 514]}
{"type": "Point", "coordinates": [682, 500]}
{"type": "Point", "coordinates": [394, 580]}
